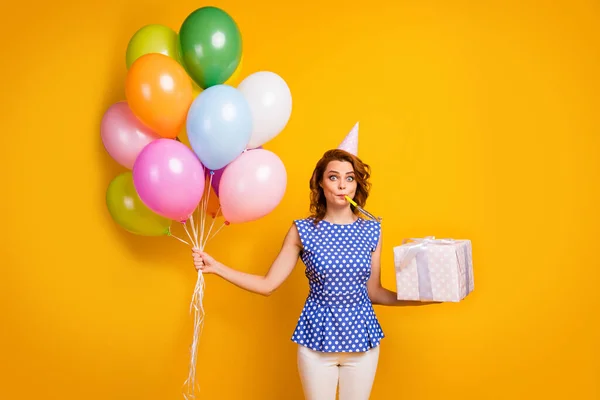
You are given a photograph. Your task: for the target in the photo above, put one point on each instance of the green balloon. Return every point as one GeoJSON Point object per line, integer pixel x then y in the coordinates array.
{"type": "Point", "coordinates": [153, 38]}
{"type": "Point", "coordinates": [128, 210]}
{"type": "Point", "coordinates": [211, 46]}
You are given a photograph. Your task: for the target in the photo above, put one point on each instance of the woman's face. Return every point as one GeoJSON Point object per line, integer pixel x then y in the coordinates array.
{"type": "Point", "coordinates": [338, 181]}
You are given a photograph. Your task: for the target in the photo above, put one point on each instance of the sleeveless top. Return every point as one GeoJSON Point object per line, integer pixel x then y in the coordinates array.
{"type": "Point", "coordinates": [338, 315]}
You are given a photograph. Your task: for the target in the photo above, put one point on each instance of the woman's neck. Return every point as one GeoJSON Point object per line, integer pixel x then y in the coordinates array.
{"type": "Point", "coordinates": [340, 215]}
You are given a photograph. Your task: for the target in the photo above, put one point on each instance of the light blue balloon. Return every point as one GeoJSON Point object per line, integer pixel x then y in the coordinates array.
{"type": "Point", "coordinates": [219, 125]}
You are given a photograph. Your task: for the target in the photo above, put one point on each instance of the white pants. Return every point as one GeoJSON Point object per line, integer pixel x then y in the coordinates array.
{"type": "Point", "coordinates": [320, 373]}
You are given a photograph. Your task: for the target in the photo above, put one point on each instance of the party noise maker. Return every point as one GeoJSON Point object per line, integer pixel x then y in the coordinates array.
{"type": "Point", "coordinates": [362, 210]}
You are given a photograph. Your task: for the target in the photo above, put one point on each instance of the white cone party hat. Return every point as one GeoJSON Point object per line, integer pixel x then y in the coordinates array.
{"type": "Point", "coordinates": [350, 142]}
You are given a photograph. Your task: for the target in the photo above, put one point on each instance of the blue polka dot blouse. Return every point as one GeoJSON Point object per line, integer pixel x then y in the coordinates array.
{"type": "Point", "coordinates": [338, 315]}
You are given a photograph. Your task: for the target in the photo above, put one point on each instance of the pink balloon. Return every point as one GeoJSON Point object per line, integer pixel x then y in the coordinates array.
{"type": "Point", "coordinates": [123, 135]}
{"type": "Point", "coordinates": [252, 186]}
{"type": "Point", "coordinates": [216, 178]}
{"type": "Point", "coordinates": [169, 179]}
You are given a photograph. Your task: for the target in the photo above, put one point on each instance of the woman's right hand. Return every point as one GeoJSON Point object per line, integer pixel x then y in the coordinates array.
{"type": "Point", "coordinates": [265, 285]}
{"type": "Point", "coordinates": [205, 263]}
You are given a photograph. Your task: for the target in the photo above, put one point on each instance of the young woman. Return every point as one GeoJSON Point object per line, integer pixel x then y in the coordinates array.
{"type": "Point", "coordinates": [338, 334]}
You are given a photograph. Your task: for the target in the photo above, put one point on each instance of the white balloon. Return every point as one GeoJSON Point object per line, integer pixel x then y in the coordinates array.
{"type": "Point", "coordinates": [270, 101]}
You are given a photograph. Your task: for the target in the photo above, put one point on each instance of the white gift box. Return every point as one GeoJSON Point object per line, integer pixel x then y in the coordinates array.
{"type": "Point", "coordinates": [429, 269]}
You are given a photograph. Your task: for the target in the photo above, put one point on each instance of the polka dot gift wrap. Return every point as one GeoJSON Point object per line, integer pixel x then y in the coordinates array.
{"type": "Point", "coordinates": [431, 269]}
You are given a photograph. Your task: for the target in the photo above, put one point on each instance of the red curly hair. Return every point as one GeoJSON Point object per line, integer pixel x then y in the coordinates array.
{"type": "Point", "coordinates": [362, 171]}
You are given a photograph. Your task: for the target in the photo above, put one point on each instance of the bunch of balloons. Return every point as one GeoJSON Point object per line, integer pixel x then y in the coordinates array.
{"type": "Point", "coordinates": [176, 84]}
{"type": "Point", "coordinates": [183, 84]}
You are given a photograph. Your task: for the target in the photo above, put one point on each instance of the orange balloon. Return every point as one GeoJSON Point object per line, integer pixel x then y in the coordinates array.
{"type": "Point", "coordinates": [159, 93]}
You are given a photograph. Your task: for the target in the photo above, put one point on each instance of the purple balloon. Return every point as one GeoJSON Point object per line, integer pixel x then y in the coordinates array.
{"type": "Point", "coordinates": [169, 179]}
{"type": "Point", "coordinates": [216, 179]}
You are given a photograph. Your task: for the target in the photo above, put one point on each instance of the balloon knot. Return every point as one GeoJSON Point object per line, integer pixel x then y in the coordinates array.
{"type": "Point", "coordinates": [227, 222]}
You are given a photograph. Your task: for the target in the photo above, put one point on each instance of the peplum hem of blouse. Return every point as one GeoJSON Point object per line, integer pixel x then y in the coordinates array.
{"type": "Point", "coordinates": [330, 323]}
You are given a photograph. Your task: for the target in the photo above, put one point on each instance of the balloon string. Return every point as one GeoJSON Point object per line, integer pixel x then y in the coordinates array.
{"type": "Point", "coordinates": [211, 227]}
{"type": "Point", "coordinates": [204, 210]}
{"type": "Point", "coordinates": [218, 230]}
{"type": "Point", "coordinates": [178, 238]}
{"type": "Point", "coordinates": [203, 207]}
{"type": "Point", "coordinates": [196, 305]}
{"type": "Point", "coordinates": [188, 232]}
{"type": "Point", "coordinates": [194, 230]}
{"type": "Point", "coordinates": [199, 210]}
{"type": "Point", "coordinates": [197, 308]}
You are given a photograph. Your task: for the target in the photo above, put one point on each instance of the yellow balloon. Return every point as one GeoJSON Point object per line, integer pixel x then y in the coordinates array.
{"type": "Point", "coordinates": [196, 90]}
{"type": "Point", "coordinates": [182, 137]}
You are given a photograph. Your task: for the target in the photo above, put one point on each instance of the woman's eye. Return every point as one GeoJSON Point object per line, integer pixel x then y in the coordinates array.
{"type": "Point", "coordinates": [350, 178]}
{"type": "Point", "coordinates": [332, 177]}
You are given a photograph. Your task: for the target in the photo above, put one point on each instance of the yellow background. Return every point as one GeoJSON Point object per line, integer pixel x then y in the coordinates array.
{"type": "Point", "coordinates": [479, 119]}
